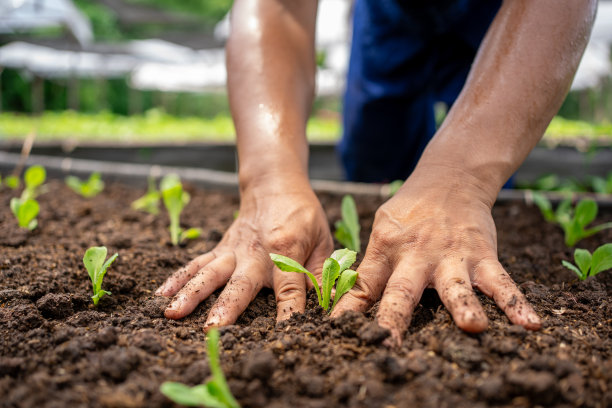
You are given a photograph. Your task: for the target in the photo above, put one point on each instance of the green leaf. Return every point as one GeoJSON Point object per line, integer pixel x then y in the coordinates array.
{"type": "Point", "coordinates": [349, 224]}
{"type": "Point", "coordinates": [544, 205]}
{"type": "Point", "coordinates": [34, 176]}
{"type": "Point", "coordinates": [173, 200]}
{"type": "Point", "coordinates": [12, 182]}
{"type": "Point", "coordinates": [218, 385]}
{"type": "Point", "coordinates": [342, 234]}
{"type": "Point", "coordinates": [602, 259]}
{"type": "Point", "coordinates": [169, 181]}
{"type": "Point", "coordinates": [190, 396]}
{"type": "Point", "coordinates": [346, 281]}
{"type": "Point", "coordinates": [586, 211]}
{"type": "Point", "coordinates": [574, 269]}
{"type": "Point", "coordinates": [90, 188]}
{"type": "Point", "coordinates": [345, 258]}
{"type": "Point", "coordinates": [564, 211]}
{"type": "Point", "coordinates": [96, 268]}
{"type": "Point", "coordinates": [191, 233]}
{"type": "Point", "coordinates": [286, 264]}
{"type": "Point", "coordinates": [25, 210]}
{"type": "Point", "coordinates": [331, 271]}
{"type": "Point", "coordinates": [150, 201]}
{"type": "Point", "coordinates": [582, 257]}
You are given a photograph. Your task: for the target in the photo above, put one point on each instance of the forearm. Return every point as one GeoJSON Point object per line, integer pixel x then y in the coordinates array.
{"type": "Point", "coordinates": [521, 74]}
{"type": "Point", "coordinates": [271, 71]}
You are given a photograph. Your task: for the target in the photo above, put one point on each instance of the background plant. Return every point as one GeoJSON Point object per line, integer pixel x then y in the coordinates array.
{"type": "Point", "coordinates": [347, 228]}
{"type": "Point", "coordinates": [33, 178]}
{"type": "Point", "coordinates": [26, 212]}
{"type": "Point", "coordinates": [214, 394]}
{"type": "Point", "coordinates": [86, 188]}
{"type": "Point", "coordinates": [573, 221]}
{"type": "Point", "coordinates": [175, 200]}
{"type": "Point", "coordinates": [335, 268]}
{"type": "Point", "coordinates": [96, 268]}
{"type": "Point", "coordinates": [588, 265]}
{"type": "Point", "coordinates": [150, 201]}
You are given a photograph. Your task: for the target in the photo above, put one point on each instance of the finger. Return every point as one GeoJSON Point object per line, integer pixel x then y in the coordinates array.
{"type": "Point", "coordinates": [402, 293]}
{"type": "Point", "coordinates": [321, 252]}
{"type": "Point", "coordinates": [290, 291]}
{"type": "Point", "coordinates": [208, 279]}
{"type": "Point", "coordinates": [179, 278]}
{"type": "Point", "coordinates": [491, 278]}
{"type": "Point", "coordinates": [452, 282]}
{"type": "Point", "coordinates": [373, 274]}
{"type": "Point", "coordinates": [241, 289]}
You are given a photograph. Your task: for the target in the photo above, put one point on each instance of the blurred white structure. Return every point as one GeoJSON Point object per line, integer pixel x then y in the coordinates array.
{"type": "Point", "coordinates": [22, 15]}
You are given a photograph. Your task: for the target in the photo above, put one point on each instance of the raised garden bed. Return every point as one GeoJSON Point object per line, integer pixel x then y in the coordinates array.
{"type": "Point", "coordinates": [58, 351]}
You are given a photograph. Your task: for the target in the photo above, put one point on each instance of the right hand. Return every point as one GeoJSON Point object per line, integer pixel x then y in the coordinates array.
{"type": "Point", "coordinates": [282, 216]}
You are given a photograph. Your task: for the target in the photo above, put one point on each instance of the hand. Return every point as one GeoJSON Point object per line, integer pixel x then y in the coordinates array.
{"type": "Point", "coordinates": [284, 217]}
{"type": "Point", "coordinates": [438, 232]}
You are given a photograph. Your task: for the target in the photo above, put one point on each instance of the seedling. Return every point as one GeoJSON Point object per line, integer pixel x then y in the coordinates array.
{"type": "Point", "coordinates": [573, 221]}
{"type": "Point", "coordinates": [33, 179]}
{"type": "Point", "coordinates": [90, 188]}
{"type": "Point", "coordinates": [150, 201]}
{"type": "Point", "coordinates": [96, 267]}
{"type": "Point", "coordinates": [602, 185]}
{"type": "Point", "coordinates": [590, 265]}
{"type": "Point", "coordinates": [214, 394]}
{"type": "Point", "coordinates": [25, 211]}
{"type": "Point", "coordinates": [335, 268]}
{"type": "Point", "coordinates": [347, 229]}
{"type": "Point", "coordinates": [175, 200]}
{"type": "Point", "coordinates": [12, 182]}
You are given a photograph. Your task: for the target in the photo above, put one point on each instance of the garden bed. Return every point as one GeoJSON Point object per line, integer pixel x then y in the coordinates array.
{"type": "Point", "coordinates": [58, 351]}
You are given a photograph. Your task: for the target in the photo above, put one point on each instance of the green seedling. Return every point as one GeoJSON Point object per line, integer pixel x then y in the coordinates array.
{"type": "Point", "coordinates": [347, 229]}
{"type": "Point", "coordinates": [150, 201]}
{"type": "Point", "coordinates": [12, 182]}
{"type": "Point", "coordinates": [213, 394]}
{"type": "Point", "coordinates": [590, 265]}
{"type": "Point", "coordinates": [33, 178]}
{"type": "Point", "coordinates": [25, 211]}
{"type": "Point", "coordinates": [175, 200]}
{"type": "Point", "coordinates": [335, 268]}
{"type": "Point", "coordinates": [602, 185]}
{"type": "Point", "coordinates": [573, 221]}
{"type": "Point", "coordinates": [394, 187]}
{"type": "Point", "coordinates": [96, 268]}
{"type": "Point", "coordinates": [89, 188]}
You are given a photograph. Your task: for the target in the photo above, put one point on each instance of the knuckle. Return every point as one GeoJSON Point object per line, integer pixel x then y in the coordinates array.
{"type": "Point", "coordinates": [404, 289]}
{"type": "Point", "coordinates": [365, 290]}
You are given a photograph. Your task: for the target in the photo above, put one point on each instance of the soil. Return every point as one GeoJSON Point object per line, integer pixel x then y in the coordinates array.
{"type": "Point", "coordinates": [56, 350]}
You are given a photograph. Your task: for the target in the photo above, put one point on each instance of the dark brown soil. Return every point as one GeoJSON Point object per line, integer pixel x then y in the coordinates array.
{"type": "Point", "coordinates": [56, 350]}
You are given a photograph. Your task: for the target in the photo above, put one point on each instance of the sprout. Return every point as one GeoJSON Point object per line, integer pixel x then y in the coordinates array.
{"type": "Point", "coordinates": [214, 394]}
{"type": "Point", "coordinates": [591, 265]}
{"type": "Point", "coordinates": [573, 221]}
{"type": "Point", "coordinates": [175, 200]}
{"type": "Point", "coordinates": [96, 268]}
{"type": "Point", "coordinates": [25, 211]}
{"type": "Point", "coordinates": [335, 269]}
{"type": "Point", "coordinates": [150, 201]}
{"type": "Point", "coordinates": [347, 229]}
{"type": "Point", "coordinates": [33, 178]}
{"type": "Point", "coordinates": [90, 188]}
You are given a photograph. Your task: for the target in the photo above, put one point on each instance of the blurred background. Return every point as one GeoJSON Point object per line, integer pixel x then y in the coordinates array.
{"type": "Point", "coordinates": [146, 71]}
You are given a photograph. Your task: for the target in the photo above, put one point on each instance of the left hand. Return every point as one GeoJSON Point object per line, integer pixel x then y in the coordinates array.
{"type": "Point", "coordinates": [437, 232]}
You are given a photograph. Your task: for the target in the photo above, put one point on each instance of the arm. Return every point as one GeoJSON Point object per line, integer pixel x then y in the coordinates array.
{"type": "Point", "coordinates": [271, 70]}
{"type": "Point", "coordinates": [437, 231]}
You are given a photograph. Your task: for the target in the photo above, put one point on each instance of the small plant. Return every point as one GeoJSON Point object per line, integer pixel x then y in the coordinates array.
{"type": "Point", "coordinates": [590, 265]}
{"type": "Point", "coordinates": [90, 188]}
{"type": "Point", "coordinates": [334, 268]}
{"type": "Point", "coordinates": [96, 268]}
{"type": "Point", "coordinates": [12, 182]}
{"type": "Point", "coordinates": [214, 394]}
{"type": "Point", "coordinates": [33, 178]}
{"type": "Point", "coordinates": [26, 212]}
{"type": "Point", "coordinates": [150, 201]}
{"type": "Point", "coordinates": [573, 221]}
{"type": "Point", "coordinates": [602, 185]}
{"type": "Point", "coordinates": [347, 229]}
{"type": "Point", "coordinates": [175, 200]}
